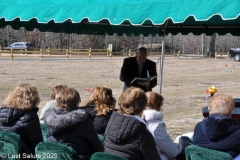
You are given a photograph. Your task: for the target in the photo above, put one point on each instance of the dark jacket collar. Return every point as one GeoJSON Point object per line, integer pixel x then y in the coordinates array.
{"type": "Point", "coordinates": [9, 115]}
{"type": "Point", "coordinates": [216, 126]}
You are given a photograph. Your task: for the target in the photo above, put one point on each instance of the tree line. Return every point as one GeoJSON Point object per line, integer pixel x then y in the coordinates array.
{"type": "Point", "coordinates": [187, 44]}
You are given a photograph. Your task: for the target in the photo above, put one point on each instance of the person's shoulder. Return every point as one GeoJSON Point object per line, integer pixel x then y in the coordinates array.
{"type": "Point", "coordinates": [198, 126]}
{"type": "Point", "coordinates": [146, 134]}
{"type": "Point", "coordinates": [150, 61]}
{"type": "Point", "coordinates": [129, 59]}
{"type": "Point", "coordinates": [88, 108]}
{"type": "Point", "coordinates": [29, 115]}
{"type": "Point", "coordinates": [4, 109]}
{"type": "Point", "coordinates": [50, 104]}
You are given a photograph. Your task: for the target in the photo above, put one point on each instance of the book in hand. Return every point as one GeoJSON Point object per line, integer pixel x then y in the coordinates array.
{"type": "Point", "coordinates": [137, 80]}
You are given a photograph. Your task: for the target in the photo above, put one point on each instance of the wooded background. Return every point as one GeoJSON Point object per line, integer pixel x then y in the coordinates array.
{"type": "Point", "coordinates": [189, 44]}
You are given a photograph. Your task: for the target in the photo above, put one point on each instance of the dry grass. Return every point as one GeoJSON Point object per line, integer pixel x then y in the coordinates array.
{"type": "Point", "coordinates": [184, 82]}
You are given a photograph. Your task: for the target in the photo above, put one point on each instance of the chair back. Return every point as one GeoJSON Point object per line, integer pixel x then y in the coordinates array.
{"type": "Point", "coordinates": [53, 151]}
{"type": "Point", "coordinates": [10, 145]}
{"type": "Point", "coordinates": [101, 139]}
{"type": "Point", "coordinates": [194, 152]}
{"type": "Point", "coordinates": [106, 156]}
{"type": "Point", "coordinates": [44, 131]}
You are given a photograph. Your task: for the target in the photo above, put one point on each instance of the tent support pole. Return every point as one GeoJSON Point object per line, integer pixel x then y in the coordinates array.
{"type": "Point", "coordinates": [161, 62]}
{"type": "Point", "coordinates": [162, 55]}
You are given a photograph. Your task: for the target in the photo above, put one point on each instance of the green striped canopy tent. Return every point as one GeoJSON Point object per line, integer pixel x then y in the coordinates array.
{"type": "Point", "coordinates": [124, 16]}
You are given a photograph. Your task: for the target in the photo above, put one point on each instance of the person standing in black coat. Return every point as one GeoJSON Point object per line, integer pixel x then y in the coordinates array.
{"type": "Point", "coordinates": [19, 114]}
{"type": "Point", "coordinates": [100, 105]}
{"type": "Point", "coordinates": [126, 134]}
{"type": "Point", "coordinates": [141, 67]}
{"type": "Point", "coordinates": [71, 125]}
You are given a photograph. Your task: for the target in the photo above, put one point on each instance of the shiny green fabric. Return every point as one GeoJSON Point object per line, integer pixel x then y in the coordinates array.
{"type": "Point", "coordinates": [50, 151]}
{"type": "Point", "coordinates": [194, 152]}
{"type": "Point", "coordinates": [106, 156]}
{"type": "Point", "coordinates": [10, 145]}
{"type": "Point", "coordinates": [44, 131]}
{"type": "Point", "coordinates": [122, 16]}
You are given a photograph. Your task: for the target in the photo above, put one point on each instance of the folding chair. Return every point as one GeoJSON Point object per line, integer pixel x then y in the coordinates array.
{"type": "Point", "coordinates": [10, 145]}
{"type": "Point", "coordinates": [106, 156]}
{"type": "Point", "coordinates": [53, 151]}
{"type": "Point", "coordinates": [44, 131]}
{"type": "Point", "coordinates": [101, 138]}
{"type": "Point", "coordinates": [194, 152]}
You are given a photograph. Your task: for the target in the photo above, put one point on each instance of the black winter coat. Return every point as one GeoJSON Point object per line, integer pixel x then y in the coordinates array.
{"type": "Point", "coordinates": [100, 121]}
{"type": "Point", "coordinates": [128, 137]}
{"type": "Point", "coordinates": [218, 132]}
{"type": "Point", "coordinates": [23, 122]}
{"type": "Point", "coordinates": [129, 71]}
{"type": "Point", "coordinates": [74, 129]}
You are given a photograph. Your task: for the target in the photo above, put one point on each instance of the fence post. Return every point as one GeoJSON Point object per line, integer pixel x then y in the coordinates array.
{"type": "Point", "coordinates": [0, 50]}
{"type": "Point", "coordinates": [215, 55]}
{"type": "Point", "coordinates": [110, 55]}
{"type": "Point", "coordinates": [89, 53]}
{"type": "Point", "coordinates": [70, 51]}
{"type": "Point", "coordinates": [26, 51]}
{"type": "Point", "coordinates": [178, 54]}
{"type": "Point", "coordinates": [49, 51]}
{"type": "Point", "coordinates": [11, 54]}
{"type": "Point", "coordinates": [129, 53]}
{"type": "Point", "coordinates": [107, 51]}
{"type": "Point", "coordinates": [41, 54]}
{"type": "Point", "coordinates": [66, 54]}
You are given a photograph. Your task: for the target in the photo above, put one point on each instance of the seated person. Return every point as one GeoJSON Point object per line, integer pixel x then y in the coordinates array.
{"type": "Point", "coordinates": [71, 125]}
{"type": "Point", "coordinates": [52, 103]}
{"type": "Point", "coordinates": [100, 105]}
{"type": "Point", "coordinates": [18, 114]}
{"type": "Point", "coordinates": [126, 134]}
{"type": "Point", "coordinates": [219, 131]}
{"type": "Point", "coordinates": [167, 149]}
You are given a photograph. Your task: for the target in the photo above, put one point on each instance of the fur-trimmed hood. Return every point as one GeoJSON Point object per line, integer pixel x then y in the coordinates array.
{"type": "Point", "coordinates": [58, 119]}
{"type": "Point", "coordinates": [151, 114]}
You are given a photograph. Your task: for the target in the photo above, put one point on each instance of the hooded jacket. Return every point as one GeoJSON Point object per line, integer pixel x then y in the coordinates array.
{"type": "Point", "coordinates": [167, 149]}
{"type": "Point", "coordinates": [100, 121]}
{"type": "Point", "coordinates": [128, 137]}
{"type": "Point", "coordinates": [218, 132]}
{"type": "Point", "coordinates": [74, 129]}
{"type": "Point", "coordinates": [23, 122]}
{"type": "Point", "coordinates": [50, 104]}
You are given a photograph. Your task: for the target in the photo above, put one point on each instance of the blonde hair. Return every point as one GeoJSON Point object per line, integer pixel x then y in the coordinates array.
{"type": "Point", "coordinates": [154, 100]}
{"type": "Point", "coordinates": [221, 104]}
{"type": "Point", "coordinates": [103, 100]}
{"type": "Point", "coordinates": [132, 101]}
{"type": "Point", "coordinates": [24, 96]}
{"type": "Point", "coordinates": [67, 99]}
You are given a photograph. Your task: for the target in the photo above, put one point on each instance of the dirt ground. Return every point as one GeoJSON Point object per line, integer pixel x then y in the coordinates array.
{"type": "Point", "coordinates": [185, 82]}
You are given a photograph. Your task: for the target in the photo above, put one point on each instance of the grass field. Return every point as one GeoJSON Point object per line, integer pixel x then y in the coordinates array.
{"type": "Point", "coordinates": [184, 82]}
